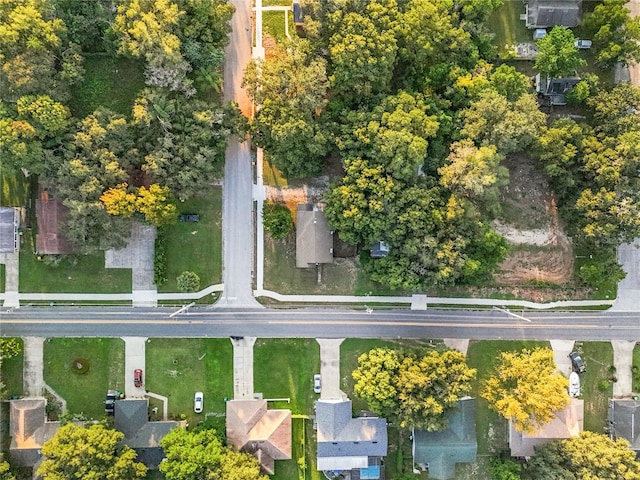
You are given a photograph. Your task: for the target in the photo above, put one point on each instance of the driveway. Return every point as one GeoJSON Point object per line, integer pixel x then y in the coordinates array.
{"type": "Point", "coordinates": [330, 368]}
{"type": "Point", "coordinates": [629, 288]}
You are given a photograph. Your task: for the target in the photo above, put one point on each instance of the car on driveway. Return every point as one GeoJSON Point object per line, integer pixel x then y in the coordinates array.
{"type": "Point", "coordinates": [198, 402]}
{"type": "Point", "coordinates": [577, 363]}
{"type": "Point", "coordinates": [137, 377]}
{"type": "Point", "coordinates": [583, 44]}
{"type": "Point", "coordinates": [317, 383]}
{"type": "Point", "coordinates": [189, 217]}
{"type": "Point", "coordinates": [574, 384]}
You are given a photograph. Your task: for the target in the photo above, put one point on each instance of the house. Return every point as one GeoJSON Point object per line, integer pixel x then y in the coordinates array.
{"type": "Point", "coordinates": [298, 17]}
{"type": "Point", "coordinates": [352, 447]}
{"type": "Point", "coordinates": [9, 223]}
{"type": "Point", "coordinates": [624, 421]}
{"type": "Point", "coordinates": [552, 13]}
{"type": "Point", "coordinates": [51, 214]}
{"type": "Point", "coordinates": [314, 240]}
{"type": "Point", "coordinates": [567, 423]}
{"type": "Point", "coordinates": [253, 428]}
{"type": "Point", "coordinates": [131, 417]}
{"type": "Point", "coordinates": [29, 430]}
{"type": "Point", "coordinates": [379, 250]}
{"type": "Point", "coordinates": [440, 451]}
{"type": "Point", "coordinates": [555, 89]}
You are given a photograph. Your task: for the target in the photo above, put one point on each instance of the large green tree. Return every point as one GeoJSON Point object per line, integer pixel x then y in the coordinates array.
{"type": "Point", "coordinates": [590, 456]}
{"type": "Point", "coordinates": [526, 388]}
{"type": "Point", "coordinates": [200, 455]}
{"type": "Point", "coordinates": [557, 54]}
{"type": "Point", "coordinates": [79, 453]}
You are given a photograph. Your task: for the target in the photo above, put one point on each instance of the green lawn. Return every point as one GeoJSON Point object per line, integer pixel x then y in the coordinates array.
{"type": "Point", "coordinates": [11, 373]}
{"type": "Point", "coordinates": [75, 273]}
{"type": "Point", "coordinates": [109, 82]}
{"type": "Point", "coordinates": [284, 368]}
{"type": "Point", "coordinates": [196, 246]}
{"type": "Point", "coordinates": [84, 392]}
{"type": "Point", "coordinates": [178, 367]}
{"type": "Point", "coordinates": [595, 382]}
{"type": "Point", "coordinates": [2, 270]}
{"type": "Point", "coordinates": [491, 428]}
{"type": "Point", "coordinates": [506, 24]}
{"type": "Point", "coordinates": [303, 445]}
{"type": "Point", "coordinates": [14, 188]}
{"type": "Point", "coordinates": [635, 368]}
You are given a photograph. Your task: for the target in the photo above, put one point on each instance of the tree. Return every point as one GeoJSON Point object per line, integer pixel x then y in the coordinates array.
{"type": "Point", "coordinates": [118, 201]}
{"type": "Point", "coordinates": [475, 173]}
{"type": "Point", "coordinates": [199, 454]}
{"type": "Point", "coordinates": [5, 473]}
{"type": "Point", "coordinates": [188, 282]}
{"type": "Point", "coordinates": [48, 117]}
{"type": "Point", "coordinates": [609, 216]}
{"type": "Point", "coordinates": [557, 54]}
{"type": "Point", "coordinates": [9, 347]}
{"type": "Point", "coordinates": [79, 453]}
{"type": "Point", "coordinates": [493, 120]}
{"type": "Point", "coordinates": [417, 388]}
{"type": "Point", "coordinates": [526, 388]}
{"type": "Point", "coordinates": [614, 111]}
{"type": "Point", "coordinates": [156, 206]}
{"type": "Point", "coordinates": [615, 33]}
{"type": "Point", "coordinates": [589, 456]}
{"type": "Point", "coordinates": [277, 219]}
{"type": "Point", "coordinates": [509, 82]}
{"type": "Point", "coordinates": [505, 469]}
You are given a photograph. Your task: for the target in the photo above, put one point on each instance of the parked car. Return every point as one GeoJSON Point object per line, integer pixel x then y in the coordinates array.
{"type": "Point", "coordinates": [577, 362]}
{"type": "Point", "coordinates": [574, 384]}
{"type": "Point", "coordinates": [582, 44]}
{"type": "Point", "coordinates": [198, 402]}
{"type": "Point", "coordinates": [189, 217]}
{"type": "Point", "coordinates": [137, 377]}
{"type": "Point", "coordinates": [110, 402]}
{"type": "Point", "coordinates": [317, 384]}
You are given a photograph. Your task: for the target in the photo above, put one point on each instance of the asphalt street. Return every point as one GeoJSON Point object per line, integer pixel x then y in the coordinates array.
{"type": "Point", "coordinates": [320, 323]}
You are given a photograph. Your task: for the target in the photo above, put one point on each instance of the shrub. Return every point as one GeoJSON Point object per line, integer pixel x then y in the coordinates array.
{"type": "Point", "coordinates": [80, 365]}
{"type": "Point", "coordinates": [277, 219]}
{"type": "Point", "coordinates": [188, 282]}
{"type": "Point", "coordinates": [160, 259]}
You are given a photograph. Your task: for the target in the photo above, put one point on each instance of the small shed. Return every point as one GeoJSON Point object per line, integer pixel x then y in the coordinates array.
{"type": "Point", "coordinates": [552, 13]}
{"type": "Point", "coordinates": [379, 250]}
{"type": "Point", "coordinates": [9, 223]}
{"type": "Point", "coordinates": [314, 239]}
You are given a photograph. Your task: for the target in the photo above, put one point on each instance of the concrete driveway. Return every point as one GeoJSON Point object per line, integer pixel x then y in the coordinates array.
{"type": "Point", "coordinates": [629, 288]}
{"type": "Point", "coordinates": [134, 358]}
{"type": "Point", "coordinates": [330, 368]}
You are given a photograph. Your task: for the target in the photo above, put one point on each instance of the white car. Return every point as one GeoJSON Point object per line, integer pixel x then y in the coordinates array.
{"type": "Point", "coordinates": [583, 44]}
{"type": "Point", "coordinates": [574, 384]}
{"type": "Point", "coordinates": [317, 387]}
{"type": "Point", "coordinates": [198, 401]}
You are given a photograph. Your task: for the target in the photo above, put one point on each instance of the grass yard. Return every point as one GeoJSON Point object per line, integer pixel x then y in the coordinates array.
{"type": "Point", "coordinates": [196, 246]}
{"type": "Point", "coordinates": [635, 368]}
{"type": "Point", "coordinates": [14, 188]}
{"type": "Point", "coordinates": [284, 368]}
{"type": "Point", "coordinates": [491, 428]}
{"type": "Point", "coordinates": [508, 28]}
{"type": "Point", "coordinates": [2, 270]}
{"type": "Point", "coordinates": [109, 82]}
{"type": "Point", "coordinates": [303, 446]}
{"type": "Point", "coordinates": [75, 273]}
{"type": "Point", "coordinates": [11, 373]}
{"type": "Point", "coordinates": [273, 21]}
{"type": "Point", "coordinates": [84, 392]}
{"type": "Point", "coordinates": [596, 383]}
{"type": "Point", "coordinates": [178, 367]}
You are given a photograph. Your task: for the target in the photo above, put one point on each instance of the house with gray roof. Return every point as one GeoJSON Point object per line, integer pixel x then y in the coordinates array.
{"type": "Point", "coordinates": [552, 13]}
{"type": "Point", "coordinates": [440, 451]}
{"type": "Point", "coordinates": [9, 223]}
{"type": "Point", "coordinates": [624, 421]}
{"type": "Point", "coordinates": [131, 417]}
{"type": "Point", "coordinates": [352, 447]}
{"type": "Point", "coordinates": [314, 239]}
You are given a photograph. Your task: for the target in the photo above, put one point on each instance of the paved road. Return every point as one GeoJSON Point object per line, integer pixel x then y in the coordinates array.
{"type": "Point", "coordinates": [237, 205]}
{"type": "Point", "coordinates": [320, 323]}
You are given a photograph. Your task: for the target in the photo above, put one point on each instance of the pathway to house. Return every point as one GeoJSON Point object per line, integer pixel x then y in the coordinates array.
{"type": "Point", "coordinates": [330, 368]}
{"type": "Point", "coordinates": [134, 358]}
{"type": "Point", "coordinates": [622, 360]}
{"type": "Point", "coordinates": [11, 276]}
{"type": "Point", "coordinates": [243, 367]}
{"type": "Point", "coordinates": [33, 368]}
{"type": "Point", "coordinates": [561, 351]}
{"type": "Point", "coordinates": [138, 256]}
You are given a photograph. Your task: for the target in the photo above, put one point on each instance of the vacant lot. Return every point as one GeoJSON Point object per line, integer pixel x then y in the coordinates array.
{"type": "Point", "coordinates": [596, 384]}
{"type": "Point", "coordinates": [178, 367]}
{"type": "Point", "coordinates": [11, 373]}
{"type": "Point", "coordinates": [103, 359]}
{"type": "Point", "coordinates": [508, 28]}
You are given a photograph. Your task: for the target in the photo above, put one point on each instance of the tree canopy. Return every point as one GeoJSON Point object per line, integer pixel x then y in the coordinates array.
{"type": "Point", "coordinates": [526, 389]}
{"type": "Point", "coordinates": [557, 54]}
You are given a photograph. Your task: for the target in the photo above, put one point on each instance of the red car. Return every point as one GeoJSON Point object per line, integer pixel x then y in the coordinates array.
{"type": "Point", "coordinates": [137, 377]}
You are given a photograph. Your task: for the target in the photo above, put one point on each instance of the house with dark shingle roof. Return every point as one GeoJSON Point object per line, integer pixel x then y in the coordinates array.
{"type": "Point", "coordinates": [264, 433]}
{"type": "Point", "coordinates": [346, 444]}
{"type": "Point", "coordinates": [131, 417]}
{"type": "Point", "coordinates": [314, 239]}
{"type": "Point", "coordinates": [440, 451]}
{"type": "Point", "coordinates": [552, 13]}
{"type": "Point", "coordinates": [624, 421]}
{"type": "Point", "coordinates": [9, 223]}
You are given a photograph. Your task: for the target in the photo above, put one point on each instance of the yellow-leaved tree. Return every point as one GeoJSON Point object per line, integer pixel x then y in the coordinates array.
{"type": "Point", "coordinates": [526, 388]}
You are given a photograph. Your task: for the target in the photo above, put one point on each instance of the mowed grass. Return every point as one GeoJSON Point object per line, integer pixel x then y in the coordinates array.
{"type": "Point", "coordinates": [635, 368]}
{"type": "Point", "coordinates": [303, 446]}
{"type": "Point", "coordinates": [491, 428]}
{"type": "Point", "coordinates": [196, 246]}
{"type": "Point", "coordinates": [596, 383]}
{"type": "Point", "coordinates": [505, 23]}
{"type": "Point", "coordinates": [284, 368]}
{"type": "Point", "coordinates": [273, 21]}
{"type": "Point", "coordinates": [14, 188]}
{"type": "Point", "coordinates": [179, 367]}
{"type": "Point", "coordinates": [75, 274]}
{"type": "Point", "coordinates": [11, 372]}
{"type": "Point", "coordinates": [112, 83]}
{"type": "Point", "coordinates": [2, 278]}
{"type": "Point", "coordinates": [84, 393]}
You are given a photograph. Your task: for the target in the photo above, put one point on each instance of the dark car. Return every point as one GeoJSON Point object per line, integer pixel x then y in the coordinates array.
{"type": "Point", "coordinates": [189, 217]}
{"type": "Point", "coordinates": [110, 402]}
{"type": "Point", "coordinates": [577, 362]}
{"type": "Point", "coordinates": [137, 377]}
